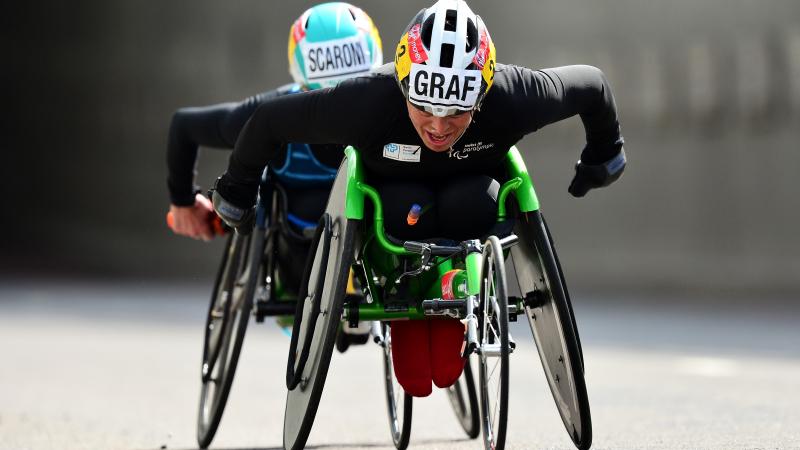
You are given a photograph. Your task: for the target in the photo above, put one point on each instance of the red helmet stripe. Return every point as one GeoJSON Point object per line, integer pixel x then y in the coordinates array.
{"type": "Point", "coordinates": [482, 55]}
{"type": "Point", "coordinates": [415, 48]}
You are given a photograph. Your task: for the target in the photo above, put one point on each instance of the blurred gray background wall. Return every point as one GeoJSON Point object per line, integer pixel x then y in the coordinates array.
{"type": "Point", "coordinates": [709, 96]}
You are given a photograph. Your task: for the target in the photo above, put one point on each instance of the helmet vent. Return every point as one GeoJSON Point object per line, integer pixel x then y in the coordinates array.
{"type": "Point", "coordinates": [427, 30]}
{"type": "Point", "coordinates": [352, 13]}
{"type": "Point", "coordinates": [472, 36]}
{"type": "Point", "coordinates": [446, 55]}
{"type": "Point", "coordinates": [450, 20]}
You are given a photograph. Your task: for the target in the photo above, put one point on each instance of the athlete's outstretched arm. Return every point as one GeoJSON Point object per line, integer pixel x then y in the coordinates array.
{"type": "Point", "coordinates": [558, 93]}
{"type": "Point", "coordinates": [215, 126]}
{"type": "Point", "coordinates": [324, 116]}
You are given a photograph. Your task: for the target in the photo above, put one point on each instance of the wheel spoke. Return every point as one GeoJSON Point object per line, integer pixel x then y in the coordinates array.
{"type": "Point", "coordinates": [497, 403]}
{"type": "Point", "coordinates": [494, 368]}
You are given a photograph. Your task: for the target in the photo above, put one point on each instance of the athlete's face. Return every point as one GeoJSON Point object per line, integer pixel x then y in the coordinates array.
{"type": "Point", "coordinates": [438, 133]}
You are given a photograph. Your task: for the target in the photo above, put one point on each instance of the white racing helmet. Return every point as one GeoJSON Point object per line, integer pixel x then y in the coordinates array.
{"type": "Point", "coordinates": [445, 60]}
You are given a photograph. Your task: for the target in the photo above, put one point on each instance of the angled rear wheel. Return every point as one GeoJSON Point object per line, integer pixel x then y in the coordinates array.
{"type": "Point", "coordinates": [226, 324]}
{"type": "Point", "coordinates": [308, 303]}
{"type": "Point", "coordinates": [303, 400]}
{"type": "Point", "coordinates": [552, 322]}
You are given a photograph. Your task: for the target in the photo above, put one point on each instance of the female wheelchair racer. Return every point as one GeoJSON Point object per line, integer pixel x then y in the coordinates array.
{"type": "Point", "coordinates": [452, 121]}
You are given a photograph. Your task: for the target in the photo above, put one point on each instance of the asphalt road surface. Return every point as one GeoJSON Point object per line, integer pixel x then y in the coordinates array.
{"type": "Point", "coordinates": [117, 367]}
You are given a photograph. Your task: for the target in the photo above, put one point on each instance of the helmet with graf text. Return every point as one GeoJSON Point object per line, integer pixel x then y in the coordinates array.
{"type": "Point", "coordinates": [444, 63]}
{"type": "Point", "coordinates": [331, 42]}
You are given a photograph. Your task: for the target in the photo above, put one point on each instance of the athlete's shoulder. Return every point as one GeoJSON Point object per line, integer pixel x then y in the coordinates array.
{"type": "Point", "coordinates": [509, 77]}
{"type": "Point", "coordinates": [518, 85]}
{"type": "Point", "coordinates": [377, 87]}
{"type": "Point", "coordinates": [383, 71]}
{"type": "Point", "coordinates": [286, 89]}
{"type": "Point", "coordinates": [381, 77]}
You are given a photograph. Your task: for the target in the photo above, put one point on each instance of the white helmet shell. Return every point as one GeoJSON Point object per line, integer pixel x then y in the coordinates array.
{"type": "Point", "coordinates": [445, 61]}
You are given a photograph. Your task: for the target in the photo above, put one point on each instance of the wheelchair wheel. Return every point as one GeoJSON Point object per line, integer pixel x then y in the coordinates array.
{"type": "Point", "coordinates": [494, 345]}
{"type": "Point", "coordinates": [464, 399]}
{"type": "Point", "coordinates": [303, 400]}
{"type": "Point", "coordinates": [399, 403]}
{"type": "Point", "coordinates": [551, 320]}
{"type": "Point", "coordinates": [226, 324]}
{"type": "Point", "coordinates": [308, 302]}
{"type": "Point", "coordinates": [566, 292]}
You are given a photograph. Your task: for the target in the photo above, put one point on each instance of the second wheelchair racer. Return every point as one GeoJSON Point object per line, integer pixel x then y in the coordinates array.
{"type": "Point", "coordinates": [328, 43]}
{"type": "Point", "coordinates": [433, 129]}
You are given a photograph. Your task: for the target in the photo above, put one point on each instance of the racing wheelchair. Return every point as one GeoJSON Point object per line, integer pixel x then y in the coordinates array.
{"type": "Point", "coordinates": [345, 241]}
{"type": "Point", "coordinates": [256, 277]}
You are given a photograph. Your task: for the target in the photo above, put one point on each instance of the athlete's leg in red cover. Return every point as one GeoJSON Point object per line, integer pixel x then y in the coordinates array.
{"type": "Point", "coordinates": [425, 351]}
{"type": "Point", "coordinates": [411, 356]}
{"type": "Point", "coordinates": [447, 337]}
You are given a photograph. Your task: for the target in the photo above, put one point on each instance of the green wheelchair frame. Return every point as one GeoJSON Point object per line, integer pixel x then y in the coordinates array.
{"type": "Point", "coordinates": [343, 242]}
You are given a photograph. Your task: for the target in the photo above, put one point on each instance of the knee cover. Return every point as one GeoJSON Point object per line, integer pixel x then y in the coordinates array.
{"type": "Point", "coordinates": [411, 356]}
{"type": "Point", "coordinates": [425, 351]}
{"type": "Point", "coordinates": [447, 338]}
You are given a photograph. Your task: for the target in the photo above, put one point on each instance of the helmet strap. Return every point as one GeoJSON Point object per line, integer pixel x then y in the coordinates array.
{"type": "Point", "coordinates": [471, 121]}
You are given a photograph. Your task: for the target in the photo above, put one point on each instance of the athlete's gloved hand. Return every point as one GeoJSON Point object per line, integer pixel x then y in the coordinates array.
{"type": "Point", "coordinates": [193, 221]}
{"type": "Point", "coordinates": [241, 219]}
{"type": "Point", "coordinates": [591, 176]}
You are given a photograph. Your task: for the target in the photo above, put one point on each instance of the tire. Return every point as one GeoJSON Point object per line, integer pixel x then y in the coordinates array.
{"type": "Point", "coordinates": [464, 400]}
{"type": "Point", "coordinates": [303, 400]}
{"type": "Point", "coordinates": [566, 292]}
{"type": "Point", "coordinates": [226, 324]}
{"type": "Point", "coordinates": [494, 346]}
{"type": "Point", "coordinates": [308, 303]}
{"type": "Point", "coordinates": [553, 325]}
{"type": "Point", "coordinates": [399, 409]}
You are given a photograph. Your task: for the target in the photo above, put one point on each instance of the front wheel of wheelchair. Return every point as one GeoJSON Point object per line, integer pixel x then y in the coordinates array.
{"type": "Point", "coordinates": [552, 322]}
{"type": "Point", "coordinates": [398, 402]}
{"type": "Point", "coordinates": [493, 339]}
{"type": "Point", "coordinates": [226, 324]}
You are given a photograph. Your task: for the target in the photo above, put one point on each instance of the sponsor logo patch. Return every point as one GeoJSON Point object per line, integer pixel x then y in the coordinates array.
{"type": "Point", "coordinates": [402, 152]}
{"type": "Point", "coordinates": [333, 59]}
{"type": "Point", "coordinates": [444, 87]}
{"type": "Point", "coordinates": [465, 151]}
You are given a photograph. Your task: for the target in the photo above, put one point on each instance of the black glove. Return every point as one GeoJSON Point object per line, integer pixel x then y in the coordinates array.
{"type": "Point", "coordinates": [591, 176]}
{"type": "Point", "coordinates": [241, 219]}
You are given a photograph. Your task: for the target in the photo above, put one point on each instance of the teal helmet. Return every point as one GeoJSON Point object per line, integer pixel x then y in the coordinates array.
{"type": "Point", "coordinates": [331, 42]}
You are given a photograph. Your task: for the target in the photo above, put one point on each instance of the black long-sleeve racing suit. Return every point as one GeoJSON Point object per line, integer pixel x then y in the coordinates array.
{"type": "Point", "coordinates": [217, 126]}
{"type": "Point", "coordinates": [370, 113]}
